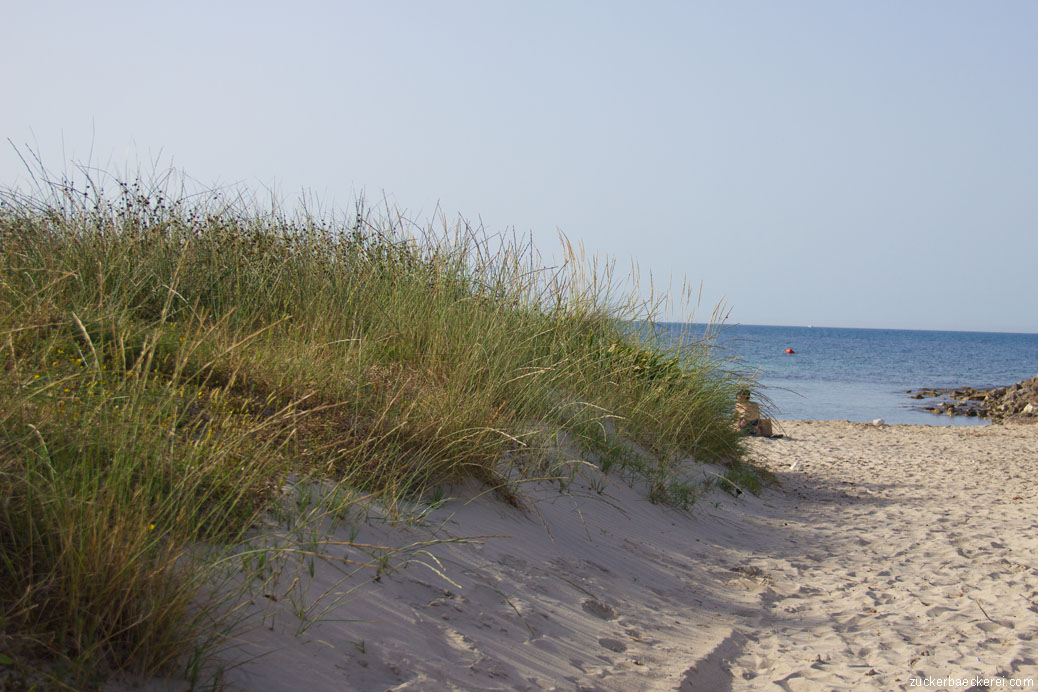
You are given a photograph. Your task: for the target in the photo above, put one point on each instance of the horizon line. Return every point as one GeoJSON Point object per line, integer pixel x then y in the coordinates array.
{"type": "Point", "coordinates": [824, 326]}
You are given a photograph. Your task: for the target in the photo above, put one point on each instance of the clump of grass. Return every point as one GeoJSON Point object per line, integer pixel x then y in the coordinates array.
{"type": "Point", "coordinates": [168, 360]}
{"type": "Point", "coordinates": [741, 476]}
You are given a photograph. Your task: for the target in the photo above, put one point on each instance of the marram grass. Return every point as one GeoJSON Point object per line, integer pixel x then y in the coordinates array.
{"type": "Point", "coordinates": [168, 360]}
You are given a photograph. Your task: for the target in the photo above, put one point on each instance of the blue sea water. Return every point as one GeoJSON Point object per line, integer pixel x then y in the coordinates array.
{"type": "Point", "coordinates": [862, 374]}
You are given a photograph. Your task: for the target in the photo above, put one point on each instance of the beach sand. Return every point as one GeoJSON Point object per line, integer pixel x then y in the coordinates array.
{"type": "Point", "coordinates": [887, 555]}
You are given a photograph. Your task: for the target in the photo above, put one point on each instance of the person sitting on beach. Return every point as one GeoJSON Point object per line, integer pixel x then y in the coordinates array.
{"type": "Point", "coordinates": [747, 416]}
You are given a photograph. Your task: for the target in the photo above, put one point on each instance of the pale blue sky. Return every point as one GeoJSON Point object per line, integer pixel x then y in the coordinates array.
{"type": "Point", "coordinates": [870, 164]}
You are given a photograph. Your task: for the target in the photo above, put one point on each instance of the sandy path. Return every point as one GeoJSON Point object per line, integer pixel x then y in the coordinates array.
{"type": "Point", "coordinates": [889, 555]}
{"type": "Point", "coordinates": [896, 553]}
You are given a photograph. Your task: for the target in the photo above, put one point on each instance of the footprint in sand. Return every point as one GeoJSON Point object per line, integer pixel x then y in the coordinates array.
{"type": "Point", "coordinates": [614, 645]}
{"type": "Point", "coordinates": [599, 610]}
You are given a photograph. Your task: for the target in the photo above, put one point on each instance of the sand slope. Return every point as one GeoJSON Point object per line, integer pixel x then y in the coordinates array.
{"type": "Point", "coordinates": [587, 591]}
{"type": "Point", "coordinates": [888, 554]}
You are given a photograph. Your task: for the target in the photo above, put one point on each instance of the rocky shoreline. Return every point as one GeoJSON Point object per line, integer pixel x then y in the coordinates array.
{"type": "Point", "coordinates": [1016, 403]}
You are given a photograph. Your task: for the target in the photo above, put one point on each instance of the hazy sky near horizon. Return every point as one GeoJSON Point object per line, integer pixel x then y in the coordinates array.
{"type": "Point", "coordinates": [853, 164]}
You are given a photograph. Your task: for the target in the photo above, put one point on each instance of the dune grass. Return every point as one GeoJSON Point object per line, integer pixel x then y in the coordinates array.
{"type": "Point", "coordinates": [168, 360]}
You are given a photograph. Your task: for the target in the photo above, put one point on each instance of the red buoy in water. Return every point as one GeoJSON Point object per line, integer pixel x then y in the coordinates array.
{"type": "Point", "coordinates": [790, 351]}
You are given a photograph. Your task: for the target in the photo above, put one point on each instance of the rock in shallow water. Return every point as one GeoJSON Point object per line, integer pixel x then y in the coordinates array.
{"type": "Point", "coordinates": [1016, 403]}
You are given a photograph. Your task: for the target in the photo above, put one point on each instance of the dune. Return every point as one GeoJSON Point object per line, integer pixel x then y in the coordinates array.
{"type": "Point", "coordinates": [890, 557]}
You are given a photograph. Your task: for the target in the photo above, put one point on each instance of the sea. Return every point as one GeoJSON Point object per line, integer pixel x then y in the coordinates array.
{"type": "Point", "coordinates": [863, 374]}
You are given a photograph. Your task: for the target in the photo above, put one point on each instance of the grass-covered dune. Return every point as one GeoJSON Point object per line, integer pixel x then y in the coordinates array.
{"type": "Point", "coordinates": [168, 361]}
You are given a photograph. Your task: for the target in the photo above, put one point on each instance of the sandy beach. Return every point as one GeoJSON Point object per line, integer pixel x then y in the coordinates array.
{"type": "Point", "coordinates": [888, 558]}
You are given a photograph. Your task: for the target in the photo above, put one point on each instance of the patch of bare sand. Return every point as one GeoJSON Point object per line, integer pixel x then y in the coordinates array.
{"type": "Point", "coordinates": [889, 554]}
{"type": "Point", "coordinates": [895, 555]}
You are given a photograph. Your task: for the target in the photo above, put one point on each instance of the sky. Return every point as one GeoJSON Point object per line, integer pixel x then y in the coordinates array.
{"type": "Point", "coordinates": [846, 164]}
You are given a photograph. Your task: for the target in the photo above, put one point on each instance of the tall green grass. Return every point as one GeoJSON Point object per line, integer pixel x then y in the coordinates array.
{"type": "Point", "coordinates": [168, 359]}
